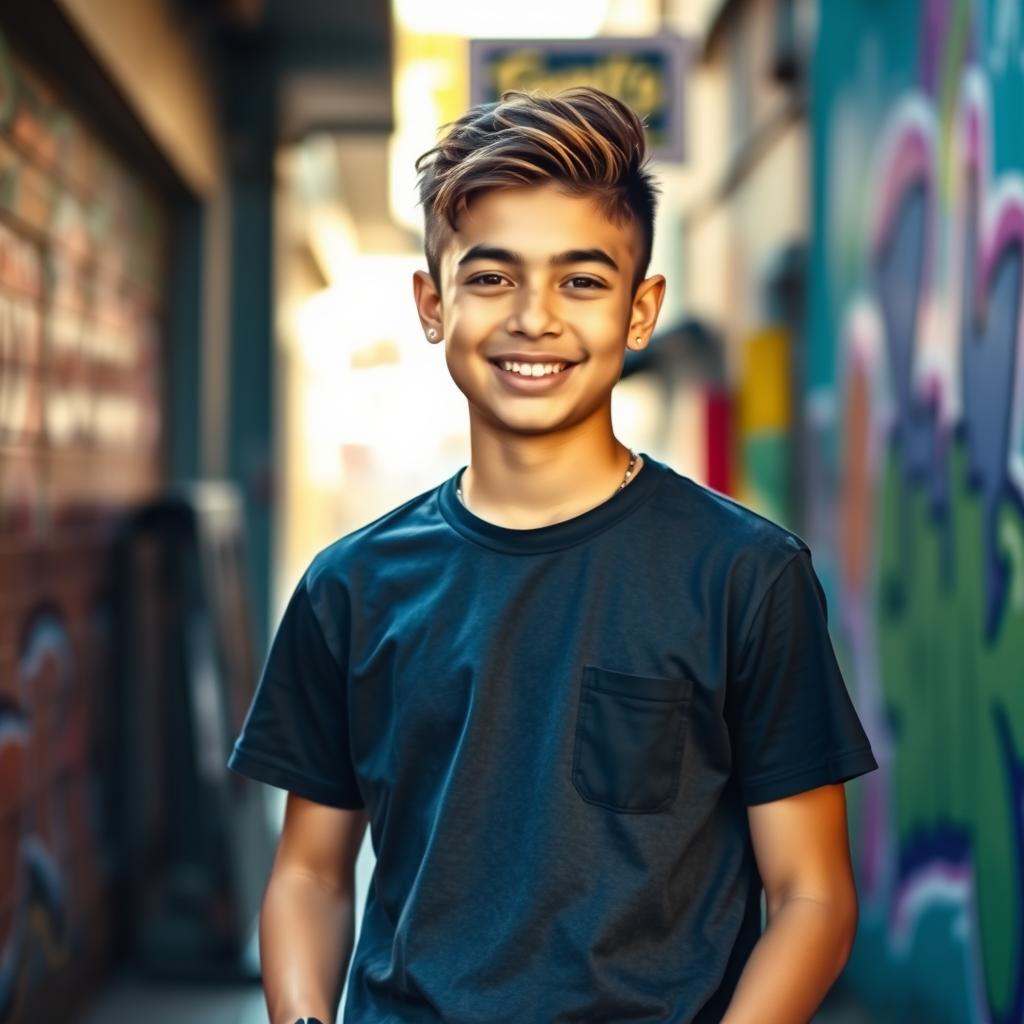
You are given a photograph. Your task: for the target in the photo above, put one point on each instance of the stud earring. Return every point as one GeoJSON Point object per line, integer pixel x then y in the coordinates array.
{"type": "Point", "coordinates": [640, 341]}
{"type": "Point", "coordinates": [431, 334]}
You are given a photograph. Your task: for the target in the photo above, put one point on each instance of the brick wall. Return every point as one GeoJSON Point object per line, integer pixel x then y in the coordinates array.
{"type": "Point", "coordinates": [81, 422]}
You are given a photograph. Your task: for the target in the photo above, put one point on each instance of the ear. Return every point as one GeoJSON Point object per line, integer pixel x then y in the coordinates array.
{"type": "Point", "coordinates": [428, 305]}
{"type": "Point", "coordinates": [650, 294]}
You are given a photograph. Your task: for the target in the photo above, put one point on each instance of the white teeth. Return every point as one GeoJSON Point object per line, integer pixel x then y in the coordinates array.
{"type": "Point", "coordinates": [532, 369]}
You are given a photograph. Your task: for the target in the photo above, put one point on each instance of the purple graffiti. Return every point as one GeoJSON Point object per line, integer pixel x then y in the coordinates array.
{"type": "Point", "coordinates": [901, 245]}
{"type": "Point", "coordinates": [990, 329]}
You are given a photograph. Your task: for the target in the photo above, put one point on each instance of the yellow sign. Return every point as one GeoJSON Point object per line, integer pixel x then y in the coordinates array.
{"type": "Point", "coordinates": [646, 73]}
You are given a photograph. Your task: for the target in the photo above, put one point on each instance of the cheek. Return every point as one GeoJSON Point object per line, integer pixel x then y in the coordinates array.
{"type": "Point", "coordinates": [605, 335]}
{"type": "Point", "coordinates": [468, 325]}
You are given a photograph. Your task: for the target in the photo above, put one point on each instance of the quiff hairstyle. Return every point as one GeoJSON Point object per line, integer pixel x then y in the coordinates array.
{"type": "Point", "coordinates": [587, 141]}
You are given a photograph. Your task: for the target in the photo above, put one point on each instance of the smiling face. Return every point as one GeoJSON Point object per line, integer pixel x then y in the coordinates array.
{"type": "Point", "coordinates": [537, 308]}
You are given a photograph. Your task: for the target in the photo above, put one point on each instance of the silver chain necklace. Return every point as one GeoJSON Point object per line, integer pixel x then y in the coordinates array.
{"type": "Point", "coordinates": [625, 480]}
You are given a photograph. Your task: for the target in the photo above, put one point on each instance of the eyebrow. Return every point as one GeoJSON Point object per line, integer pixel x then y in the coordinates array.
{"type": "Point", "coordinates": [499, 255]}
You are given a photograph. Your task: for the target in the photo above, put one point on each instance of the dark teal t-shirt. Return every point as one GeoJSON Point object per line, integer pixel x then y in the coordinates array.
{"type": "Point", "coordinates": [556, 733]}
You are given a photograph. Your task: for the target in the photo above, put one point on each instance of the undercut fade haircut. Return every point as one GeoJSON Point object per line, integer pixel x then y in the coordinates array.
{"type": "Point", "coordinates": [586, 141]}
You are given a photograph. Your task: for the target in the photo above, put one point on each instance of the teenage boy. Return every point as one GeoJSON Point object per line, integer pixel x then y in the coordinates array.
{"type": "Point", "coordinates": [588, 706]}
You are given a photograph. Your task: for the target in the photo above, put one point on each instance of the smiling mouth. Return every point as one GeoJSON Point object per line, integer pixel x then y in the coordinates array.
{"type": "Point", "coordinates": [547, 378]}
{"type": "Point", "coordinates": [531, 371]}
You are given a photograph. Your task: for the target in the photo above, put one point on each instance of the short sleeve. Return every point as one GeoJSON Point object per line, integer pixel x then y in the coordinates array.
{"type": "Point", "coordinates": [792, 724]}
{"type": "Point", "coordinates": [296, 732]}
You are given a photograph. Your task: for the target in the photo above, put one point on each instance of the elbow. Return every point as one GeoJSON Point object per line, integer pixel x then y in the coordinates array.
{"type": "Point", "coordinates": [847, 918]}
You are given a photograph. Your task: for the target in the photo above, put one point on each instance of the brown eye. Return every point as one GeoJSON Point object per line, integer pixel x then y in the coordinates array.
{"type": "Point", "coordinates": [588, 282]}
{"type": "Point", "coordinates": [482, 279]}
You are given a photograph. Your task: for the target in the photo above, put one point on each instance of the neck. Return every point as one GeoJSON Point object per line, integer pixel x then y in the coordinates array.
{"type": "Point", "coordinates": [527, 481]}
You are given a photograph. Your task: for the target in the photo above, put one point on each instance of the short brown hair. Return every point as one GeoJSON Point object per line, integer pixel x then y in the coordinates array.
{"type": "Point", "coordinates": [589, 142]}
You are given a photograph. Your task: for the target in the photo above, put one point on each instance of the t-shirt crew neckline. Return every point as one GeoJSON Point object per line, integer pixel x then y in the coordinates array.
{"type": "Point", "coordinates": [555, 536]}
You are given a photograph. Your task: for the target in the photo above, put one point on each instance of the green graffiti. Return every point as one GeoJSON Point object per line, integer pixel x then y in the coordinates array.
{"type": "Point", "coordinates": [952, 699]}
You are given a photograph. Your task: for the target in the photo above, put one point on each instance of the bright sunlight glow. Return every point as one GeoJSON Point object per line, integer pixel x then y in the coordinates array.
{"type": "Point", "coordinates": [528, 19]}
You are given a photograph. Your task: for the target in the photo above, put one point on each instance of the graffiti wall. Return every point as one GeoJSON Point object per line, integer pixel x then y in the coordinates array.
{"type": "Point", "coordinates": [916, 401]}
{"type": "Point", "coordinates": [80, 426]}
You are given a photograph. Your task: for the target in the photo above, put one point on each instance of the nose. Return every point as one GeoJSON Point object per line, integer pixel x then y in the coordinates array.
{"type": "Point", "coordinates": [532, 315]}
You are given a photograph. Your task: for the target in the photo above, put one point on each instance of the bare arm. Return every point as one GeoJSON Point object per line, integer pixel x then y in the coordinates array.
{"type": "Point", "coordinates": [803, 856]}
{"type": "Point", "coordinates": [307, 921]}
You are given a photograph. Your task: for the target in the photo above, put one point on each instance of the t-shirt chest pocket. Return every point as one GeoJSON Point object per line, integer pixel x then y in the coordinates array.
{"type": "Point", "coordinates": [630, 733]}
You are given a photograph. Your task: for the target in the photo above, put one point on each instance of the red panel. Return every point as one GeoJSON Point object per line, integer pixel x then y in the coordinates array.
{"type": "Point", "coordinates": [720, 440]}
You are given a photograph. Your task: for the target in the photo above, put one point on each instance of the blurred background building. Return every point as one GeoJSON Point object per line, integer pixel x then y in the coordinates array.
{"type": "Point", "coordinates": [211, 367]}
